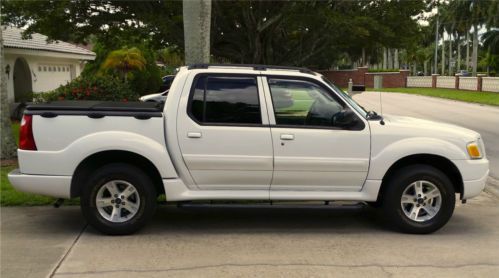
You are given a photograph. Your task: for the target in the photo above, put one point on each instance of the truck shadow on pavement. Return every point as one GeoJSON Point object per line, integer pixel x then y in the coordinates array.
{"type": "Point", "coordinates": [207, 220]}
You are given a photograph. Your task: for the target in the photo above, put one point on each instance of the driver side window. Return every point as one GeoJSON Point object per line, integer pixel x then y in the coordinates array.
{"type": "Point", "coordinates": [303, 103]}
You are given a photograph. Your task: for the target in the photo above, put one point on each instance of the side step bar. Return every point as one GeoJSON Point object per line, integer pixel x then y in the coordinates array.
{"type": "Point", "coordinates": [274, 205]}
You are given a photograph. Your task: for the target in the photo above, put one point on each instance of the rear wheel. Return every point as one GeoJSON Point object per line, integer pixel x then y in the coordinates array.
{"type": "Point", "coordinates": [118, 199]}
{"type": "Point", "coordinates": [418, 199]}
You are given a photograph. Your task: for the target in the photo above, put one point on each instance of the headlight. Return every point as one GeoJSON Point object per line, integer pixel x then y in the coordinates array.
{"type": "Point", "coordinates": [474, 150]}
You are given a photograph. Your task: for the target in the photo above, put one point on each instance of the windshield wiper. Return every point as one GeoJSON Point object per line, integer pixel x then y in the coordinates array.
{"type": "Point", "coordinates": [372, 115]}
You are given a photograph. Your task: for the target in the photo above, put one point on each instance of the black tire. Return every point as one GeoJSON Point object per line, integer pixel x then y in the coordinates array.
{"type": "Point", "coordinates": [125, 172]}
{"type": "Point", "coordinates": [391, 199]}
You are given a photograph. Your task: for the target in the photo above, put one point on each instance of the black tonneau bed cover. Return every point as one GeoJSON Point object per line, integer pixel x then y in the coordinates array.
{"type": "Point", "coordinates": [96, 109]}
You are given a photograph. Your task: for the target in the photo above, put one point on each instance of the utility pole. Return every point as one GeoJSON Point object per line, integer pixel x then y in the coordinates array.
{"type": "Point", "coordinates": [435, 68]}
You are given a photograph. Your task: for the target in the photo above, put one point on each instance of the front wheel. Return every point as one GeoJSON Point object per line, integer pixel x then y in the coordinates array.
{"type": "Point", "coordinates": [418, 199]}
{"type": "Point", "coordinates": [118, 199]}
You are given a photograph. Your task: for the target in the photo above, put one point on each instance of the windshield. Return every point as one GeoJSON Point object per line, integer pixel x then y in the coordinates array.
{"type": "Point", "coordinates": [346, 97]}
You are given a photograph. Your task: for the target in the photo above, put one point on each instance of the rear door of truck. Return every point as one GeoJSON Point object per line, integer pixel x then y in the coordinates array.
{"type": "Point", "coordinates": [224, 134]}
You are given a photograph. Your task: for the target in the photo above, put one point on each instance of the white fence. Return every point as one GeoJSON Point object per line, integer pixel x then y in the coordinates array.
{"type": "Point", "coordinates": [419, 81]}
{"type": "Point", "coordinates": [486, 84]}
{"type": "Point", "coordinates": [490, 84]}
{"type": "Point", "coordinates": [446, 82]}
{"type": "Point", "coordinates": [468, 83]}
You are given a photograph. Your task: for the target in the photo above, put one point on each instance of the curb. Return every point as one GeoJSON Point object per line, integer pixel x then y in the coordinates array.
{"type": "Point", "coordinates": [492, 186]}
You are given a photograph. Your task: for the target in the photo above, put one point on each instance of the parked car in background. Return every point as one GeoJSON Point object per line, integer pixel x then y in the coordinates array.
{"type": "Point", "coordinates": [464, 73]}
{"type": "Point", "coordinates": [167, 82]}
{"type": "Point", "coordinates": [246, 132]}
{"type": "Point", "coordinates": [159, 98]}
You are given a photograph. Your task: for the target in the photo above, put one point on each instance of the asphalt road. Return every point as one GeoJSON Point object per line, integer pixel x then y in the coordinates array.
{"type": "Point", "coordinates": [482, 118]}
{"type": "Point", "coordinates": [213, 242]}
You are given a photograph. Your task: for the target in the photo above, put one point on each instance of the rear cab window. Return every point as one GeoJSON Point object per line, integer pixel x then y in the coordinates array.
{"type": "Point", "coordinates": [225, 99]}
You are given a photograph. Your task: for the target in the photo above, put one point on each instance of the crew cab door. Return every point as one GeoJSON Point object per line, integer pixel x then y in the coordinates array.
{"type": "Point", "coordinates": [320, 143]}
{"type": "Point", "coordinates": [224, 133]}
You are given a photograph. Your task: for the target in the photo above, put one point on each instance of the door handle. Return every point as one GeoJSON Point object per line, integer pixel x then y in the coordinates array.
{"type": "Point", "coordinates": [194, 134]}
{"type": "Point", "coordinates": [287, 137]}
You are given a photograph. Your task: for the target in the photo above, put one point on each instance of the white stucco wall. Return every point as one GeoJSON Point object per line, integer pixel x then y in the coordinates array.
{"type": "Point", "coordinates": [49, 70]}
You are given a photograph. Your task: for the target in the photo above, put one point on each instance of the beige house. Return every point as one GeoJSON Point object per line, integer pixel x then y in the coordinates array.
{"type": "Point", "coordinates": [35, 65]}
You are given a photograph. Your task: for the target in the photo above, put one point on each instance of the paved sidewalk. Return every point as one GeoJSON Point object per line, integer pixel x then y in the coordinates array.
{"type": "Point", "coordinates": [212, 242]}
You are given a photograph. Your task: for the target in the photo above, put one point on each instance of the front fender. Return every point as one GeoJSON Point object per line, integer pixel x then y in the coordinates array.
{"type": "Point", "coordinates": [65, 161]}
{"type": "Point", "coordinates": [383, 157]}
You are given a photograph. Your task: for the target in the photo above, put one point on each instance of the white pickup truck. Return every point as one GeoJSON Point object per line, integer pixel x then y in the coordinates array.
{"type": "Point", "coordinates": [246, 132]}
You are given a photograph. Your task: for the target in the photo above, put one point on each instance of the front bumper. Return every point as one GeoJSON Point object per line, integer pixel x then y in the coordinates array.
{"type": "Point", "coordinates": [53, 186]}
{"type": "Point", "coordinates": [474, 174]}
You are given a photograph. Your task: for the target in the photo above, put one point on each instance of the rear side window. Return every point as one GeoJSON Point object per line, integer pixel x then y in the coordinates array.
{"type": "Point", "coordinates": [226, 100]}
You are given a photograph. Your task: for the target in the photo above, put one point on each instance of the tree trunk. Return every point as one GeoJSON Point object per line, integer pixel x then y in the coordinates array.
{"type": "Point", "coordinates": [468, 50]}
{"type": "Point", "coordinates": [390, 58]}
{"type": "Point", "coordinates": [8, 144]}
{"type": "Point", "coordinates": [458, 52]}
{"type": "Point", "coordinates": [363, 56]}
{"type": "Point", "coordinates": [474, 55]}
{"type": "Point", "coordinates": [450, 55]}
{"type": "Point", "coordinates": [396, 64]}
{"type": "Point", "coordinates": [197, 23]}
{"type": "Point", "coordinates": [385, 61]}
{"type": "Point", "coordinates": [425, 67]}
{"type": "Point", "coordinates": [443, 56]}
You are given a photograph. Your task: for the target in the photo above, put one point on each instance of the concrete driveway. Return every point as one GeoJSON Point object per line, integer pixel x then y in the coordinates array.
{"type": "Point", "coordinates": [275, 242]}
{"type": "Point", "coordinates": [481, 118]}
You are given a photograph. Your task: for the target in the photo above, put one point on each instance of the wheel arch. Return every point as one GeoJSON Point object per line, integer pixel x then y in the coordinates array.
{"type": "Point", "coordinates": [99, 159]}
{"type": "Point", "coordinates": [439, 162]}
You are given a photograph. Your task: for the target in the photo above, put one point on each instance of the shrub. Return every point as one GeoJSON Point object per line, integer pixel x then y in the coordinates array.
{"type": "Point", "coordinates": [91, 88]}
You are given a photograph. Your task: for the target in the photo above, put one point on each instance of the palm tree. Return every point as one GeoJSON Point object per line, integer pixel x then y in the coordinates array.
{"type": "Point", "coordinates": [8, 144]}
{"type": "Point", "coordinates": [125, 60]}
{"type": "Point", "coordinates": [197, 24]}
{"type": "Point", "coordinates": [490, 41]}
{"type": "Point", "coordinates": [477, 13]}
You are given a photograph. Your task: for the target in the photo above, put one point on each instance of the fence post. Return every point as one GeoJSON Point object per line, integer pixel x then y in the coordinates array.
{"type": "Point", "coordinates": [479, 81]}
{"type": "Point", "coordinates": [456, 83]}
{"type": "Point", "coordinates": [404, 74]}
{"type": "Point", "coordinates": [434, 80]}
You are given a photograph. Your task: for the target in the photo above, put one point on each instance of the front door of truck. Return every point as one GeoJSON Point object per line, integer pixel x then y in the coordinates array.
{"type": "Point", "coordinates": [320, 143]}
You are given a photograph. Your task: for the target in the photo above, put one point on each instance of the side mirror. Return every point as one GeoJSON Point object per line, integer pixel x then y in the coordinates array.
{"type": "Point", "coordinates": [346, 119]}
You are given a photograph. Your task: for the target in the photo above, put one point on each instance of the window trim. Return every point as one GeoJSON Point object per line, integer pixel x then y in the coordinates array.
{"type": "Point", "coordinates": [191, 96]}
{"type": "Point", "coordinates": [326, 88]}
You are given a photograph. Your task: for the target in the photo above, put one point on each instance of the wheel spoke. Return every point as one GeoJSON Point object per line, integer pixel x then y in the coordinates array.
{"type": "Point", "coordinates": [131, 207]}
{"type": "Point", "coordinates": [433, 194]}
{"type": "Point", "coordinates": [430, 210]}
{"type": "Point", "coordinates": [104, 202]}
{"type": "Point", "coordinates": [414, 213]}
{"type": "Point", "coordinates": [418, 188]}
{"type": "Point", "coordinates": [129, 191]}
{"type": "Point", "coordinates": [116, 214]}
{"type": "Point", "coordinates": [112, 188]}
{"type": "Point", "coordinates": [407, 199]}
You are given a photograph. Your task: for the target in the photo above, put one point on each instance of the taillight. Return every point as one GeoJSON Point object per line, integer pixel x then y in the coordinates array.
{"type": "Point", "coordinates": [26, 139]}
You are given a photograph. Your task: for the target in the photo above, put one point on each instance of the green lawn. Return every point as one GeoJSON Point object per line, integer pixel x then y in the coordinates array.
{"type": "Point", "coordinates": [15, 130]}
{"type": "Point", "coordinates": [468, 96]}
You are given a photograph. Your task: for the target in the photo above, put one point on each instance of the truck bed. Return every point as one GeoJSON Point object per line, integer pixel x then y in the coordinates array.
{"type": "Point", "coordinates": [96, 109]}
